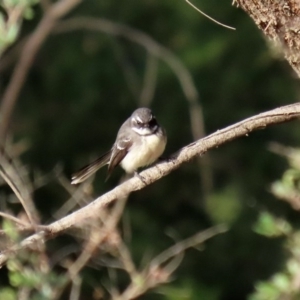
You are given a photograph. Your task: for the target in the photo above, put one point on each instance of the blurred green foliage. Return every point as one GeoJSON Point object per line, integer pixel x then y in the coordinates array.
{"type": "Point", "coordinates": [284, 284]}
{"type": "Point", "coordinates": [271, 227]}
{"type": "Point", "coordinates": [12, 13]}
{"type": "Point", "coordinates": [28, 274]}
{"type": "Point", "coordinates": [84, 84]}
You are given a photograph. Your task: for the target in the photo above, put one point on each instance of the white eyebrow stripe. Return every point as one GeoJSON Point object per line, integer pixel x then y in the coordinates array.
{"type": "Point", "coordinates": [139, 119]}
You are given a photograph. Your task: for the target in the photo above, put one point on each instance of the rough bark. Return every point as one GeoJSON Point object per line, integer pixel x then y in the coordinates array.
{"type": "Point", "coordinates": [280, 21]}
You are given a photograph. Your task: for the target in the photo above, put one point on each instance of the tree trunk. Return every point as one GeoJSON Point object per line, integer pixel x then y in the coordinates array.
{"type": "Point", "coordinates": [280, 21]}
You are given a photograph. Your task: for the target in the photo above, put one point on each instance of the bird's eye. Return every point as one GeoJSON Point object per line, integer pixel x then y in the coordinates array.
{"type": "Point", "coordinates": [152, 123]}
{"type": "Point", "coordinates": [139, 123]}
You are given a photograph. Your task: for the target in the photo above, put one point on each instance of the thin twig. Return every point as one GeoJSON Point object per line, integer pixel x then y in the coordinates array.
{"type": "Point", "coordinates": [20, 187]}
{"type": "Point", "coordinates": [16, 220]}
{"type": "Point", "coordinates": [183, 245]}
{"type": "Point", "coordinates": [28, 54]}
{"type": "Point", "coordinates": [209, 17]}
{"type": "Point", "coordinates": [75, 289]}
{"type": "Point", "coordinates": [109, 222]}
{"type": "Point", "coordinates": [157, 273]}
{"type": "Point", "coordinates": [78, 196]}
{"type": "Point", "coordinates": [140, 38]}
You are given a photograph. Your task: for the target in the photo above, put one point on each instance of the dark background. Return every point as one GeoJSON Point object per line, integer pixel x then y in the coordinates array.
{"type": "Point", "coordinates": [77, 95]}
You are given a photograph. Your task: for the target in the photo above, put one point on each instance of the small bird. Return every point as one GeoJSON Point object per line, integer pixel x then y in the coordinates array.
{"type": "Point", "coordinates": [140, 141]}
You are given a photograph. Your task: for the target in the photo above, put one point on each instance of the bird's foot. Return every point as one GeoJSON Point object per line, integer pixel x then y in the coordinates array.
{"type": "Point", "coordinates": [140, 177]}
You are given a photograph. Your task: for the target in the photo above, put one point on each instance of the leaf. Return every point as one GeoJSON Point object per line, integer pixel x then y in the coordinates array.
{"type": "Point", "coordinates": [12, 33]}
{"type": "Point", "coordinates": [10, 230]}
{"type": "Point", "coordinates": [28, 13]}
{"type": "Point", "coordinates": [270, 226]}
{"type": "Point", "coordinates": [8, 294]}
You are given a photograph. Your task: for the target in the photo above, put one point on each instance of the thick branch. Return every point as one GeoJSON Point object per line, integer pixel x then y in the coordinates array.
{"type": "Point", "coordinates": [243, 128]}
{"type": "Point", "coordinates": [156, 50]}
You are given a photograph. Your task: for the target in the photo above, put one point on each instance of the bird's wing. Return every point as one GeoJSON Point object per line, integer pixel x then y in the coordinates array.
{"type": "Point", "coordinates": [91, 168]}
{"type": "Point", "coordinates": [119, 151]}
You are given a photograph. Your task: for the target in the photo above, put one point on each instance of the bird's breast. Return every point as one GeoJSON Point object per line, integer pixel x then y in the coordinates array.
{"type": "Point", "coordinates": [143, 153]}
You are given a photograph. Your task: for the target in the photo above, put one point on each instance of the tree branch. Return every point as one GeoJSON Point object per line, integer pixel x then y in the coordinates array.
{"type": "Point", "coordinates": [156, 50]}
{"type": "Point", "coordinates": [29, 51]}
{"type": "Point", "coordinates": [220, 137]}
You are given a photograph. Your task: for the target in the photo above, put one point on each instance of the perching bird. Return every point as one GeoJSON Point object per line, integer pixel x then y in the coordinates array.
{"type": "Point", "coordinates": [140, 141]}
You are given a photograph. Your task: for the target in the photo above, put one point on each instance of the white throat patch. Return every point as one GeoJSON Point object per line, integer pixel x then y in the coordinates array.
{"type": "Point", "coordinates": [144, 130]}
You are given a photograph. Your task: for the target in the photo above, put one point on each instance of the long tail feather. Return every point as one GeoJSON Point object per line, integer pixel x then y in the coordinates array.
{"type": "Point", "coordinates": [91, 168]}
